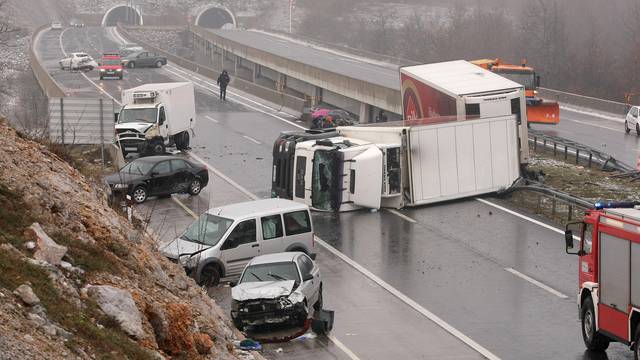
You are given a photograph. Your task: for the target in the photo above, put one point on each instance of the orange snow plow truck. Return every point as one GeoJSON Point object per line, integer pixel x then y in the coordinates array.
{"type": "Point", "coordinates": [538, 111]}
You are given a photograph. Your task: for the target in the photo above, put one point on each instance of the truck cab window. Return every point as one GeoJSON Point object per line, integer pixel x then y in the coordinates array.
{"type": "Point", "coordinates": [587, 235]}
{"type": "Point", "coordinates": [324, 169]}
{"type": "Point", "coordinates": [161, 116]}
{"type": "Point", "coordinates": [301, 169]}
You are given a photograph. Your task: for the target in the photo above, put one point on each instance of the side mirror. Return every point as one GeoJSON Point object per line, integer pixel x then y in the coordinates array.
{"type": "Point", "coordinates": [228, 244]}
{"type": "Point", "coordinates": [115, 117]}
{"type": "Point", "coordinates": [313, 256]}
{"type": "Point", "coordinates": [154, 173]}
{"type": "Point", "coordinates": [307, 277]}
{"type": "Point", "coordinates": [568, 239]}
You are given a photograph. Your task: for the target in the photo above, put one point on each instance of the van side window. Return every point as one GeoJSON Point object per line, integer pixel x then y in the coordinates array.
{"type": "Point", "coordinates": [271, 227]}
{"type": "Point", "coordinates": [297, 222]}
{"type": "Point", "coordinates": [243, 233]}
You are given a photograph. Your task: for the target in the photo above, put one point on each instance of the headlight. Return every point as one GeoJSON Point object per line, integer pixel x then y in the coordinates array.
{"type": "Point", "coordinates": [118, 69]}
{"type": "Point", "coordinates": [121, 186]}
{"type": "Point", "coordinates": [102, 70]}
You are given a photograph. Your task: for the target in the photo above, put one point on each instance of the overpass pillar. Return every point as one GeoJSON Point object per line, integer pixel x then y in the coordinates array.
{"type": "Point", "coordinates": [316, 97]}
{"type": "Point", "coordinates": [365, 113]}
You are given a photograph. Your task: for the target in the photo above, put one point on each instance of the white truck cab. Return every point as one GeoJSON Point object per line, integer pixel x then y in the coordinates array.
{"type": "Point", "coordinates": [631, 121]}
{"type": "Point", "coordinates": [154, 116]}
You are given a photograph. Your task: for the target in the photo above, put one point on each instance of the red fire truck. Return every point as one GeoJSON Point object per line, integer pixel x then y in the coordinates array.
{"type": "Point", "coordinates": [609, 272]}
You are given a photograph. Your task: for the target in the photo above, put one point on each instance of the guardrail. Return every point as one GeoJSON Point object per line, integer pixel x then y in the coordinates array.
{"type": "Point", "coordinates": [608, 106]}
{"type": "Point", "coordinates": [48, 85]}
{"type": "Point", "coordinates": [285, 100]}
{"type": "Point", "coordinates": [581, 153]}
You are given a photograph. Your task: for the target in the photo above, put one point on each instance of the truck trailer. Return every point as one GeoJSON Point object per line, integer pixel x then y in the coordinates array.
{"type": "Point", "coordinates": [608, 295]}
{"type": "Point", "coordinates": [155, 116]}
{"type": "Point", "coordinates": [469, 144]}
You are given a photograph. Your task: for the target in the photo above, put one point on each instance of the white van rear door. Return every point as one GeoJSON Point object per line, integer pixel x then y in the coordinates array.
{"type": "Point", "coordinates": [366, 178]}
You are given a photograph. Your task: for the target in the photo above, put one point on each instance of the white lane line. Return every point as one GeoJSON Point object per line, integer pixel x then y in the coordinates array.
{"type": "Point", "coordinates": [392, 290]}
{"type": "Point", "coordinates": [184, 207]}
{"type": "Point", "coordinates": [594, 125]}
{"type": "Point", "coordinates": [591, 113]}
{"type": "Point", "coordinates": [546, 226]}
{"type": "Point", "coordinates": [252, 139]}
{"type": "Point", "coordinates": [343, 347]}
{"type": "Point", "coordinates": [401, 215]}
{"type": "Point", "coordinates": [212, 119]}
{"type": "Point", "coordinates": [537, 283]}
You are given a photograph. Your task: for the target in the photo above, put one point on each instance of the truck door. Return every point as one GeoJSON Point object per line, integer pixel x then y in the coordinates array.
{"type": "Point", "coordinates": [365, 178]}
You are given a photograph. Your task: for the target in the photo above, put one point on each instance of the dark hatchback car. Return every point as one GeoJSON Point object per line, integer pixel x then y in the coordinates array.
{"type": "Point", "coordinates": [158, 175]}
{"type": "Point", "coordinates": [144, 59]}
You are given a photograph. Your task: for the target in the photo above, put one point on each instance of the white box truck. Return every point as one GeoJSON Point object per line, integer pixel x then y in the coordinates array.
{"type": "Point", "coordinates": [155, 116]}
{"type": "Point", "coordinates": [469, 144]}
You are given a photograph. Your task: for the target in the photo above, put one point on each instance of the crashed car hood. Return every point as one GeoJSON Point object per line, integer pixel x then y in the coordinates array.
{"type": "Point", "coordinates": [262, 290]}
{"type": "Point", "coordinates": [181, 246]}
{"type": "Point", "coordinates": [137, 126]}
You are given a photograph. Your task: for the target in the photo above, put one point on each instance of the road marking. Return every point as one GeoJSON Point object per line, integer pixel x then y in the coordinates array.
{"type": "Point", "coordinates": [401, 215]}
{"type": "Point", "coordinates": [246, 192]}
{"type": "Point", "coordinates": [184, 207]}
{"type": "Point", "coordinates": [540, 223]}
{"type": "Point", "coordinates": [212, 119]}
{"type": "Point", "coordinates": [537, 283]}
{"type": "Point", "coordinates": [252, 139]}
{"type": "Point", "coordinates": [594, 125]}
{"type": "Point", "coordinates": [343, 347]}
{"type": "Point", "coordinates": [591, 113]}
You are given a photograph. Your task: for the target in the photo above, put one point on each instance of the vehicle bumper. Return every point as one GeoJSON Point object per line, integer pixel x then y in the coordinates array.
{"type": "Point", "coordinates": [267, 312]}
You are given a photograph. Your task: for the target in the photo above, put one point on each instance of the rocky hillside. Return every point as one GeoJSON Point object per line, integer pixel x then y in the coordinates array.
{"type": "Point", "coordinates": [77, 280]}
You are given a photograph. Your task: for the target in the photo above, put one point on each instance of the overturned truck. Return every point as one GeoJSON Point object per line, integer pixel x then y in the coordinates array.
{"type": "Point", "coordinates": [472, 143]}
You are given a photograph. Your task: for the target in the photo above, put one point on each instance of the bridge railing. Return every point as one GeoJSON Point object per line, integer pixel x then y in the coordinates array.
{"type": "Point", "coordinates": [608, 106]}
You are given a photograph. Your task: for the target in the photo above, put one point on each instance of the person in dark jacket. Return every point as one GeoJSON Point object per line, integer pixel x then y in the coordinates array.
{"type": "Point", "coordinates": [223, 81]}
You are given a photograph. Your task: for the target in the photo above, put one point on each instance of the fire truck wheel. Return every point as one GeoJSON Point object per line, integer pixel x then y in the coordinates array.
{"type": "Point", "coordinates": [592, 339]}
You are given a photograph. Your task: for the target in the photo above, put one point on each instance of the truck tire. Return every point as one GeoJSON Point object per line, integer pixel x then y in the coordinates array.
{"type": "Point", "coordinates": [158, 148]}
{"type": "Point", "coordinates": [131, 65]}
{"type": "Point", "coordinates": [592, 339]}
{"type": "Point", "coordinates": [182, 141]}
{"type": "Point", "coordinates": [210, 276]}
{"type": "Point", "coordinates": [638, 128]}
{"type": "Point", "coordinates": [626, 127]}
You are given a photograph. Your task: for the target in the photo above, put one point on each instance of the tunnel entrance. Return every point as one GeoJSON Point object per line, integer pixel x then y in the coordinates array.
{"type": "Point", "coordinates": [124, 14]}
{"type": "Point", "coordinates": [215, 17]}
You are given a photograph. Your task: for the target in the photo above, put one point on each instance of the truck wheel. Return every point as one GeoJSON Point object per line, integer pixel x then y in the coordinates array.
{"type": "Point", "coordinates": [158, 148]}
{"type": "Point", "coordinates": [159, 64]}
{"type": "Point", "coordinates": [210, 276]}
{"type": "Point", "coordinates": [318, 305]}
{"type": "Point", "coordinates": [592, 339]}
{"type": "Point", "coordinates": [131, 65]}
{"type": "Point", "coordinates": [139, 194]}
{"type": "Point", "coordinates": [195, 187]}
{"type": "Point", "coordinates": [626, 127]}
{"type": "Point", "coordinates": [638, 128]}
{"type": "Point", "coordinates": [182, 141]}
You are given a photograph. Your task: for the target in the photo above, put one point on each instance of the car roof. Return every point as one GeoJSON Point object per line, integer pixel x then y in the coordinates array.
{"type": "Point", "coordinates": [289, 256]}
{"type": "Point", "coordinates": [159, 158]}
{"type": "Point", "coordinates": [257, 208]}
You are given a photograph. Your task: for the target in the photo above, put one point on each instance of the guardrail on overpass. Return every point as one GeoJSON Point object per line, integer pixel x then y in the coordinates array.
{"type": "Point", "coordinates": [48, 85]}
{"type": "Point", "coordinates": [568, 98]}
{"type": "Point", "coordinates": [288, 101]}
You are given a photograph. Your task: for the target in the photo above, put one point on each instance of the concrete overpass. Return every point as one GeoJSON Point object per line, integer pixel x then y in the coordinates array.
{"type": "Point", "coordinates": [300, 69]}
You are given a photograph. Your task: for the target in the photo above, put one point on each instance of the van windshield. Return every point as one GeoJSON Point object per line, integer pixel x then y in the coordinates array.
{"type": "Point", "coordinates": [323, 180]}
{"type": "Point", "coordinates": [207, 230]}
{"type": "Point", "coordinates": [138, 115]}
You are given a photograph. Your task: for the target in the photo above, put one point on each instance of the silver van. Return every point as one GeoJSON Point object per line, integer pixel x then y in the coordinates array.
{"type": "Point", "coordinates": [222, 240]}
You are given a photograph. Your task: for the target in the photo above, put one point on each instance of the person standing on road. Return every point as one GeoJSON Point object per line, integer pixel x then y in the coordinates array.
{"type": "Point", "coordinates": [223, 81]}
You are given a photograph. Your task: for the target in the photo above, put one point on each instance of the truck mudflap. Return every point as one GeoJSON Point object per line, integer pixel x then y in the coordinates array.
{"type": "Point", "coordinates": [321, 324]}
{"type": "Point", "coordinates": [543, 112]}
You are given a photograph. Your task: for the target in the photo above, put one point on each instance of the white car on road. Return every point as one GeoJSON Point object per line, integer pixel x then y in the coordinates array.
{"type": "Point", "coordinates": [56, 25]}
{"type": "Point", "coordinates": [78, 61]}
{"type": "Point", "coordinates": [631, 121]}
{"type": "Point", "coordinates": [281, 288]}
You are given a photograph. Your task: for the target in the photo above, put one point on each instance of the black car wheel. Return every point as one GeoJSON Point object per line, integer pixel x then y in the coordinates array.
{"type": "Point", "coordinates": [159, 64]}
{"type": "Point", "coordinates": [139, 194]}
{"type": "Point", "coordinates": [210, 276]}
{"type": "Point", "coordinates": [131, 65]}
{"type": "Point", "coordinates": [195, 187]}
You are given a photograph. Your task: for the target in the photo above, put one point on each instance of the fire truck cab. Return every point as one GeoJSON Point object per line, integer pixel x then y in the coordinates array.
{"type": "Point", "coordinates": [609, 274]}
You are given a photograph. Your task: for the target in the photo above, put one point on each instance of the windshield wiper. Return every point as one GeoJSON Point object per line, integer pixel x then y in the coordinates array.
{"type": "Point", "coordinates": [185, 237]}
{"type": "Point", "coordinates": [275, 276]}
{"type": "Point", "coordinates": [255, 276]}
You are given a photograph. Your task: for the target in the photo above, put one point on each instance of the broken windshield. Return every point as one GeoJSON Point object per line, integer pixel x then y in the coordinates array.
{"type": "Point", "coordinates": [271, 272]}
{"type": "Point", "coordinates": [323, 181]}
{"type": "Point", "coordinates": [207, 230]}
{"type": "Point", "coordinates": [138, 115]}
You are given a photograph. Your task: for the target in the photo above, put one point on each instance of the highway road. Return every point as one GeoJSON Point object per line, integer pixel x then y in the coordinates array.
{"type": "Point", "coordinates": [460, 280]}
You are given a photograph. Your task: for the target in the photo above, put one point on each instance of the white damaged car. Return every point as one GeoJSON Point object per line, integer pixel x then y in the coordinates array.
{"type": "Point", "coordinates": [78, 61]}
{"type": "Point", "coordinates": [282, 288]}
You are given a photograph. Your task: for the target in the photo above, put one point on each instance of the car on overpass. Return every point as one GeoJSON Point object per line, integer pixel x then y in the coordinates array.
{"type": "Point", "coordinates": [281, 288]}
{"type": "Point", "coordinates": [76, 23]}
{"type": "Point", "coordinates": [144, 59]}
{"type": "Point", "coordinates": [631, 121]}
{"type": "Point", "coordinates": [56, 25]}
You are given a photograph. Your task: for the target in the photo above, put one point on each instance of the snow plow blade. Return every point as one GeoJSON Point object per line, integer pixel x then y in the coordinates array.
{"type": "Point", "coordinates": [544, 113]}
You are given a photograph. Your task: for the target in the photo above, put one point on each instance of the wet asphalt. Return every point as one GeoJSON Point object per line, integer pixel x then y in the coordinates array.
{"type": "Point", "coordinates": [451, 260]}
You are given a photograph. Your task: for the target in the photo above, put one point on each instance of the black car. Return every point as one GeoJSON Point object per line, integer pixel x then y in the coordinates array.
{"type": "Point", "coordinates": [158, 175]}
{"type": "Point", "coordinates": [144, 59]}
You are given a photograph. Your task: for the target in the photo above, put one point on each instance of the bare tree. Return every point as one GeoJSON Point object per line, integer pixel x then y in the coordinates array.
{"type": "Point", "coordinates": [5, 25]}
